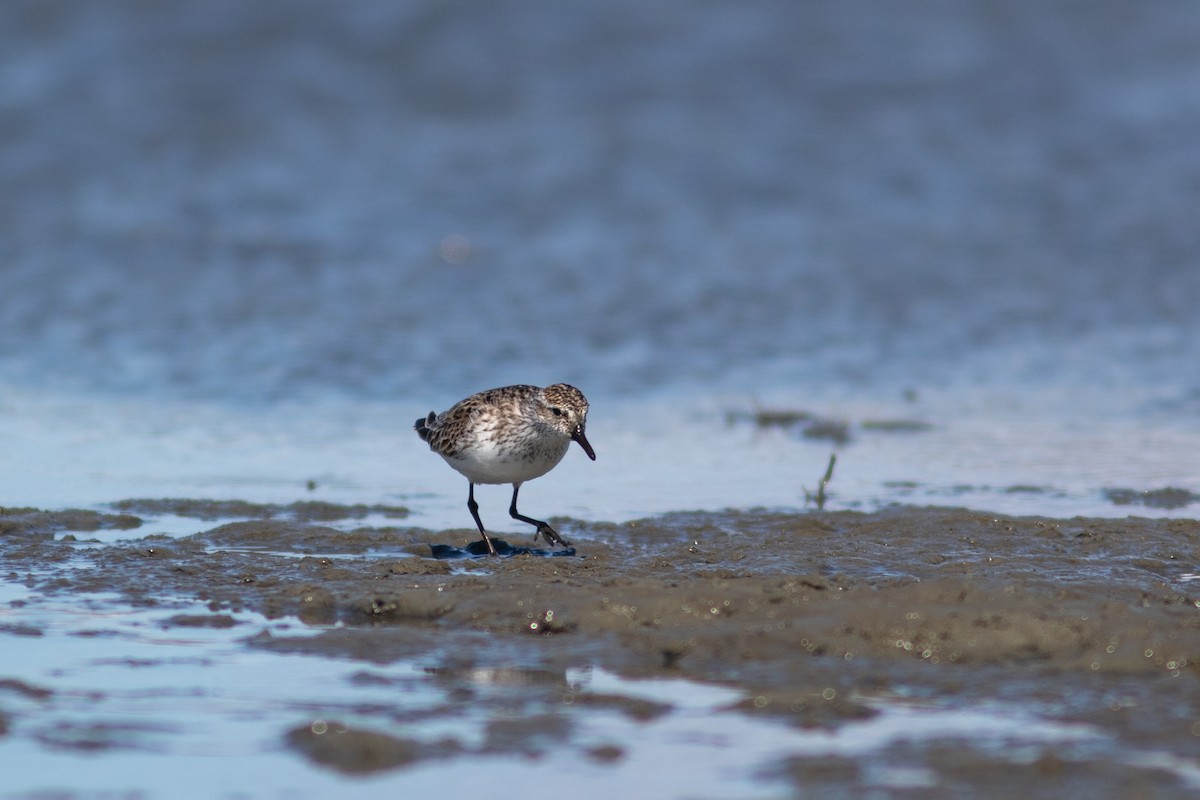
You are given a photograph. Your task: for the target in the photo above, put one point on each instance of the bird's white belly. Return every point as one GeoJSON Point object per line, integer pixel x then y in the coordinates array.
{"type": "Point", "coordinates": [484, 462]}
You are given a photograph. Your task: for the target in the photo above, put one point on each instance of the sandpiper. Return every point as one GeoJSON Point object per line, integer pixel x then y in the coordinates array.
{"type": "Point", "coordinates": [509, 435]}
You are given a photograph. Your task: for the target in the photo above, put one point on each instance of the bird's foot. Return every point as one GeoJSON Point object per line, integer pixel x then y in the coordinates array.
{"type": "Point", "coordinates": [550, 535]}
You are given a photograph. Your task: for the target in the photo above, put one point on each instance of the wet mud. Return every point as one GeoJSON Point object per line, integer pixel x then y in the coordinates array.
{"type": "Point", "coordinates": [815, 617]}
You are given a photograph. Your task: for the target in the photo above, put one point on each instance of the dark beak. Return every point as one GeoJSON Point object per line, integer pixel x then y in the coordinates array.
{"type": "Point", "coordinates": [583, 442]}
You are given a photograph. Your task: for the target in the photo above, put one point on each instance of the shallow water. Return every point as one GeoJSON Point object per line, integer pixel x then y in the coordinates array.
{"type": "Point", "coordinates": [654, 457]}
{"type": "Point", "coordinates": [243, 247]}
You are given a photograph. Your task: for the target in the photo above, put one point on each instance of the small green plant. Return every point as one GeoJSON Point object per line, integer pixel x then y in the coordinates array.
{"type": "Point", "coordinates": [819, 496]}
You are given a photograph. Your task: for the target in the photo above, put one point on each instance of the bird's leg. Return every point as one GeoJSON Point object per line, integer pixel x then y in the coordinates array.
{"type": "Point", "coordinates": [543, 528]}
{"type": "Point", "coordinates": [473, 507]}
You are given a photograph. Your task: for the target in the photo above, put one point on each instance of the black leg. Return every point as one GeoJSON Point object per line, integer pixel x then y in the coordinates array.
{"type": "Point", "coordinates": [474, 509]}
{"type": "Point", "coordinates": [544, 529]}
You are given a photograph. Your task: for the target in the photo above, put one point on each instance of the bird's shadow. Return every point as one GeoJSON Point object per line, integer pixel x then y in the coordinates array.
{"type": "Point", "coordinates": [503, 549]}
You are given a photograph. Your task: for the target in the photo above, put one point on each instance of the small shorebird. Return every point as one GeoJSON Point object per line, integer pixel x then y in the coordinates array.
{"type": "Point", "coordinates": [509, 435]}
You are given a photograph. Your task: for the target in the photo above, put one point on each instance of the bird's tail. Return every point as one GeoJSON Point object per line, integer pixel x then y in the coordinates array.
{"type": "Point", "coordinates": [421, 426]}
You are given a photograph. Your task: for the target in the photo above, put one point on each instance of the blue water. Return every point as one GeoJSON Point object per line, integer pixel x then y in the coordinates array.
{"type": "Point", "coordinates": [417, 200]}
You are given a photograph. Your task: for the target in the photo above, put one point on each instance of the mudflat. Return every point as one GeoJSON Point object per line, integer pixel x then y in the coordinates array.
{"type": "Point", "coordinates": [817, 618]}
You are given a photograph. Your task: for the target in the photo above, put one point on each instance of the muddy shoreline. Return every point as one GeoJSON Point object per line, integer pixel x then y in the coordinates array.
{"type": "Point", "coordinates": [814, 616]}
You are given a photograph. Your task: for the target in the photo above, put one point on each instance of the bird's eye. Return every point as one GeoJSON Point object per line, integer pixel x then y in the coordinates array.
{"type": "Point", "coordinates": [557, 412]}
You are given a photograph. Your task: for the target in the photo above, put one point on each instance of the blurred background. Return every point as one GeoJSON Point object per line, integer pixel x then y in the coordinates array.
{"type": "Point", "coordinates": [979, 215]}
